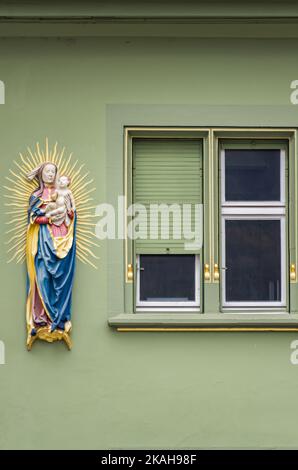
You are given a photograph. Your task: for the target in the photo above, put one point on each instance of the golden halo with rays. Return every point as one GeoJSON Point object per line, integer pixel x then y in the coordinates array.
{"type": "Point", "coordinates": [21, 188]}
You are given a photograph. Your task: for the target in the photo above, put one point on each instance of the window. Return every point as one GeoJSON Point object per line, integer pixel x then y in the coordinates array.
{"type": "Point", "coordinates": [167, 192]}
{"type": "Point", "coordinates": [168, 281]}
{"type": "Point", "coordinates": [253, 226]}
{"type": "Point", "coordinates": [253, 176]}
{"type": "Point", "coordinates": [243, 271]}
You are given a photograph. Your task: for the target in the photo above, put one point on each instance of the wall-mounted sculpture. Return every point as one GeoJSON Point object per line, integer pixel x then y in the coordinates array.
{"type": "Point", "coordinates": [52, 230]}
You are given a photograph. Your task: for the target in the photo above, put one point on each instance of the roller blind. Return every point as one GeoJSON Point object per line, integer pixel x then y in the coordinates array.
{"type": "Point", "coordinates": [167, 171]}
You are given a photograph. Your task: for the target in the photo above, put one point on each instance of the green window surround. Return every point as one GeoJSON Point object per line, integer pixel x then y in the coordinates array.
{"type": "Point", "coordinates": [143, 172]}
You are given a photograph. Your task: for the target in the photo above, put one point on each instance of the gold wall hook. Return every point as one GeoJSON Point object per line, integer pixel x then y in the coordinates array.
{"type": "Point", "coordinates": [207, 272]}
{"type": "Point", "coordinates": [293, 272]}
{"type": "Point", "coordinates": [130, 272]}
{"type": "Point", "coordinates": [216, 272]}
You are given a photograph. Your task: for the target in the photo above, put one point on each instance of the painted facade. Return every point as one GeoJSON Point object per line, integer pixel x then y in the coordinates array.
{"type": "Point", "coordinates": [90, 84]}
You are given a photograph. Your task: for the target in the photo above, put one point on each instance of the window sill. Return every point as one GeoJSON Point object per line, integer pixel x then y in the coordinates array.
{"type": "Point", "coordinates": [206, 321]}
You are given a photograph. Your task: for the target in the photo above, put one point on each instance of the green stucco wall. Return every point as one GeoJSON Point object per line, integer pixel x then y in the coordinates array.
{"type": "Point", "coordinates": [115, 390]}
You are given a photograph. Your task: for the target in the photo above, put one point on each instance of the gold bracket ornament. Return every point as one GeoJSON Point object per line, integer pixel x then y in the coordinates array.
{"type": "Point", "coordinates": [216, 272]}
{"type": "Point", "coordinates": [130, 272]}
{"type": "Point", "coordinates": [293, 272]}
{"type": "Point", "coordinates": [207, 272]}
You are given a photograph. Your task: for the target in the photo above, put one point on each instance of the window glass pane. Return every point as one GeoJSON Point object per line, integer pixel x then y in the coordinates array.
{"type": "Point", "coordinates": [253, 260]}
{"type": "Point", "coordinates": [252, 175]}
{"type": "Point", "coordinates": [167, 278]}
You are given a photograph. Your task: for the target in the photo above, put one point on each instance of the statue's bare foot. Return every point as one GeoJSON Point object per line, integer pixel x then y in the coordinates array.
{"type": "Point", "coordinates": [67, 326]}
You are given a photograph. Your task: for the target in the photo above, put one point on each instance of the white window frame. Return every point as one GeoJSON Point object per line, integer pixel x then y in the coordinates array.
{"type": "Point", "coordinates": [254, 210]}
{"type": "Point", "coordinates": [282, 200]}
{"type": "Point", "coordinates": [282, 302]}
{"type": "Point", "coordinates": [170, 306]}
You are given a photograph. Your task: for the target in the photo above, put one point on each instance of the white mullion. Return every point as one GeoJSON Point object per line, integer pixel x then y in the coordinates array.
{"type": "Point", "coordinates": [261, 210]}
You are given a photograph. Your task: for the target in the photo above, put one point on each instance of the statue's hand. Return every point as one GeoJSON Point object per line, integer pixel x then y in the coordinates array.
{"type": "Point", "coordinates": [55, 217]}
{"type": "Point", "coordinates": [42, 220]}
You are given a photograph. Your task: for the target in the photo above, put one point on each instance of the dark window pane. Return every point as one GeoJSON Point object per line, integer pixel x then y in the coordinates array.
{"type": "Point", "coordinates": [167, 278]}
{"type": "Point", "coordinates": [253, 260]}
{"type": "Point", "coordinates": [252, 175]}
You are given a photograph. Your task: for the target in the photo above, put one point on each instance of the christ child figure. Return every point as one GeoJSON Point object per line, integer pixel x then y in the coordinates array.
{"type": "Point", "coordinates": [62, 202]}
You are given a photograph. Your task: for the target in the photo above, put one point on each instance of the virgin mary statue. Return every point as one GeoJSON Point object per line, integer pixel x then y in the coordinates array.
{"type": "Point", "coordinates": [50, 253]}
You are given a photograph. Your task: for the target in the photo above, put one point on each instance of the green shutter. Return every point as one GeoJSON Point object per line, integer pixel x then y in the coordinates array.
{"type": "Point", "coordinates": [166, 171]}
